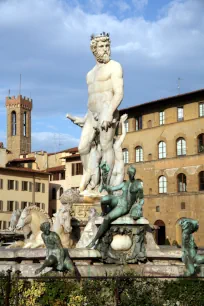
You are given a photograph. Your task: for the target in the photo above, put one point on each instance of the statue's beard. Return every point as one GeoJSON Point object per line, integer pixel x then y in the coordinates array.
{"type": "Point", "coordinates": [102, 58]}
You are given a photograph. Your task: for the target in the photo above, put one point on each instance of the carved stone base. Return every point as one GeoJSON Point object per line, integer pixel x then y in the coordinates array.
{"type": "Point", "coordinates": [124, 242]}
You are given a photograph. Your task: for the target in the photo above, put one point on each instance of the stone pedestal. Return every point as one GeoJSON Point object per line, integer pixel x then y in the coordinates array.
{"type": "Point", "coordinates": [124, 242]}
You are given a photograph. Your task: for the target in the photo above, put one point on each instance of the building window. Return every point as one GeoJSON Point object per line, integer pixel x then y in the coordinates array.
{"type": "Point", "coordinates": [16, 205]}
{"type": "Point", "coordinates": [149, 124]}
{"type": "Point", "coordinates": [4, 224]}
{"type": "Point", "coordinates": [10, 184]}
{"type": "Point", "coordinates": [181, 146]}
{"type": "Point", "coordinates": [162, 149]}
{"type": "Point", "coordinates": [201, 109]}
{"type": "Point", "coordinates": [37, 187]}
{"type": "Point", "coordinates": [54, 194]}
{"type": "Point", "coordinates": [77, 169]}
{"type": "Point", "coordinates": [61, 191]}
{"type": "Point", "coordinates": [125, 156]}
{"type": "Point", "coordinates": [181, 180]}
{"type": "Point", "coordinates": [1, 205]}
{"type": "Point", "coordinates": [24, 124]}
{"type": "Point", "coordinates": [10, 206]}
{"type": "Point", "coordinates": [201, 143]}
{"type": "Point", "coordinates": [161, 118]}
{"type": "Point", "coordinates": [23, 205]}
{"type": "Point", "coordinates": [157, 208]}
{"type": "Point", "coordinates": [162, 184]}
{"type": "Point", "coordinates": [1, 184]}
{"type": "Point", "coordinates": [180, 113]}
{"type": "Point", "coordinates": [43, 188]}
{"type": "Point", "coordinates": [37, 204]}
{"type": "Point", "coordinates": [16, 185]}
{"type": "Point", "coordinates": [201, 181]}
{"type": "Point", "coordinates": [13, 123]}
{"type": "Point", "coordinates": [183, 205]}
{"type": "Point", "coordinates": [43, 206]}
{"type": "Point", "coordinates": [138, 123]}
{"type": "Point", "coordinates": [139, 154]}
{"type": "Point", "coordinates": [30, 187]}
{"type": "Point", "coordinates": [62, 175]}
{"type": "Point", "coordinates": [126, 125]}
{"type": "Point", "coordinates": [24, 186]}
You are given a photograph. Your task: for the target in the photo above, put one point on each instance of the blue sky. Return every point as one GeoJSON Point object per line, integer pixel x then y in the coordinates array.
{"type": "Point", "coordinates": [47, 41]}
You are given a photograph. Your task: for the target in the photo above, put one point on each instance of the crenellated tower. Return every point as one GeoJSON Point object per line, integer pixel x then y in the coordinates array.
{"type": "Point", "coordinates": [18, 125]}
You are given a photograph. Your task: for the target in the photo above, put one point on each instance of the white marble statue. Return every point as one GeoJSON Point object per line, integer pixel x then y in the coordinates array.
{"type": "Point", "coordinates": [105, 90]}
{"type": "Point", "coordinates": [90, 230]}
{"type": "Point", "coordinates": [14, 221]}
{"type": "Point", "coordinates": [62, 225]}
{"type": "Point", "coordinates": [32, 217]}
{"type": "Point", "coordinates": [118, 170]}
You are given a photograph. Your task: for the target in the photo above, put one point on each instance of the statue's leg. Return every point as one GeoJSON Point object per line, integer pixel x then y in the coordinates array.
{"type": "Point", "coordinates": [199, 259]}
{"type": "Point", "coordinates": [51, 261]}
{"type": "Point", "coordinates": [87, 136]}
{"type": "Point", "coordinates": [108, 201]}
{"type": "Point", "coordinates": [106, 142]}
{"type": "Point", "coordinates": [113, 215]}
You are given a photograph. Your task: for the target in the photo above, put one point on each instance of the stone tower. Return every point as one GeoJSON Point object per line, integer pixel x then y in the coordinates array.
{"type": "Point", "coordinates": [18, 125]}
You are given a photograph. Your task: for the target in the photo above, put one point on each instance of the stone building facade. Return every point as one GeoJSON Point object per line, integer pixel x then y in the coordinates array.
{"type": "Point", "coordinates": [165, 142]}
{"type": "Point", "coordinates": [19, 188]}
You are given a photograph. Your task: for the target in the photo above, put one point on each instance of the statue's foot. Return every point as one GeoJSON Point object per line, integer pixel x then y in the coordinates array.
{"type": "Point", "coordinates": [91, 245]}
{"type": "Point", "coordinates": [37, 271]}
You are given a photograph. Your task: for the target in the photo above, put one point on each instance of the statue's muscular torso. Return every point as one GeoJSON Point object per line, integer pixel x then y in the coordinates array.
{"type": "Point", "coordinates": [100, 86]}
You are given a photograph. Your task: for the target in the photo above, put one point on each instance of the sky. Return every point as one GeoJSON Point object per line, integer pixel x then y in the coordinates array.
{"type": "Point", "coordinates": [47, 42]}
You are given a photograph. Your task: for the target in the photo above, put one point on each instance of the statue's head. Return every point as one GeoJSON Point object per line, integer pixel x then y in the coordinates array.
{"type": "Point", "coordinates": [131, 171]}
{"type": "Point", "coordinates": [14, 219]}
{"type": "Point", "coordinates": [100, 46]}
{"type": "Point", "coordinates": [45, 227]}
{"type": "Point", "coordinates": [25, 218]}
{"type": "Point", "coordinates": [189, 226]}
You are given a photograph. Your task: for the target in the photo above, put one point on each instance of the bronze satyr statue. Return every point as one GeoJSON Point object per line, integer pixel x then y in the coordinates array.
{"type": "Point", "coordinates": [190, 257]}
{"type": "Point", "coordinates": [57, 257]}
{"type": "Point", "coordinates": [114, 206]}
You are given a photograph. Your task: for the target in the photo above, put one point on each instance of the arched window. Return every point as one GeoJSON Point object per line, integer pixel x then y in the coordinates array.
{"type": "Point", "coordinates": [201, 143]}
{"type": "Point", "coordinates": [61, 191]}
{"type": "Point", "coordinates": [181, 181]}
{"type": "Point", "coordinates": [162, 149]}
{"type": "Point", "coordinates": [13, 123]}
{"type": "Point", "coordinates": [162, 184]}
{"type": "Point", "coordinates": [138, 154]}
{"type": "Point", "coordinates": [53, 194]}
{"type": "Point", "coordinates": [125, 156]}
{"type": "Point", "coordinates": [201, 181]}
{"type": "Point", "coordinates": [181, 146]}
{"type": "Point", "coordinates": [126, 125]}
{"type": "Point", "coordinates": [24, 124]}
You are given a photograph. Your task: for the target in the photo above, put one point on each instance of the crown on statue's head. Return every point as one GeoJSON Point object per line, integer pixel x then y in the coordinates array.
{"type": "Point", "coordinates": [103, 34]}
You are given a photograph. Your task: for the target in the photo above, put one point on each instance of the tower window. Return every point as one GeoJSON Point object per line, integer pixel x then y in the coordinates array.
{"type": "Point", "coordinates": [24, 124]}
{"type": "Point", "coordinates": [13, 123]}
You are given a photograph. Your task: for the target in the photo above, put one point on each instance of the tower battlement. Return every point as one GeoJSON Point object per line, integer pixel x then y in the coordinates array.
{"type": "Point", "coordinates": [19, 101]}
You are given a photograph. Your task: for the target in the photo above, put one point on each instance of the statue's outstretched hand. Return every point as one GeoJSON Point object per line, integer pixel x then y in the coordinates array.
{"type": "Point", "coordinates": [76, 120]}
{"type": "Point", "coordinates": [106, 125]}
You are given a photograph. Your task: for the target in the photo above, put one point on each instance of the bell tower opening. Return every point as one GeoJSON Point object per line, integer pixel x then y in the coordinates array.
{"type": "Point", "coordinates": [18, 125]}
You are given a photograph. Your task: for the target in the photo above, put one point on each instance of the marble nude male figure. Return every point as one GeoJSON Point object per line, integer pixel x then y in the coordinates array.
{"type": "Point", "coordinates": [105, 93]}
